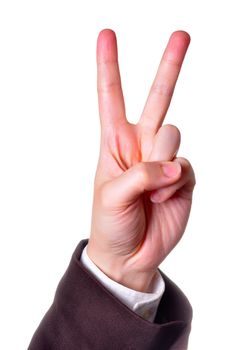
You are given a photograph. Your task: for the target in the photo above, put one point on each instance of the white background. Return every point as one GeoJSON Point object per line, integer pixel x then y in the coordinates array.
{"type": "Point", "coordinates": [49, 143]}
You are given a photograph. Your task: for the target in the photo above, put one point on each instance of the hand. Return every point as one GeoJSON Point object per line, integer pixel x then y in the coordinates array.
{"type": "Point", "coordinates": [142, 191]}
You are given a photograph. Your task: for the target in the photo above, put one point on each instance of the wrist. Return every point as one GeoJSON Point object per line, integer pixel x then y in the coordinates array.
{"type": "Point", "coordinates": [139, 281]}
{"type": "Point", "coordinates": [115, 268]}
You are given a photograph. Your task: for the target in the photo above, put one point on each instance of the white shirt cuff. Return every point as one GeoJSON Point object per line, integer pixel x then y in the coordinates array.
{"type": "Point", "coordinates": [144, 304]}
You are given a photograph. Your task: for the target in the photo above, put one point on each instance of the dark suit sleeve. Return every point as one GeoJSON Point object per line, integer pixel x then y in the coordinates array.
{"type": "Point", "coordinates": [85, 315]}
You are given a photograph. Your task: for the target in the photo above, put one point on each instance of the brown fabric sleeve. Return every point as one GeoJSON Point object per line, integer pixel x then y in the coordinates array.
{"type": "Point", "coordinates": [85, 315]}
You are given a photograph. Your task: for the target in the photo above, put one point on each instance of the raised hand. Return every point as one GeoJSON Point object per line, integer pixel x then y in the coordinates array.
{"type": "Point", "coordinates": [142, 190]}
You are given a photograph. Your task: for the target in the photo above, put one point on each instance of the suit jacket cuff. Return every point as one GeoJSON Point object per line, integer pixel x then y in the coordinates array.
{"type": "Point", "coordinates": [86, 315]}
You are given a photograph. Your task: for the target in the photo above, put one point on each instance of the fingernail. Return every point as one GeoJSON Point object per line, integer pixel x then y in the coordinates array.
{"type": "Point", "coordinates": [171, 169]}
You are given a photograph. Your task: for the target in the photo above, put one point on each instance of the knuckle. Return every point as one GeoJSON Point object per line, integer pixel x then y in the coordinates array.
{"type": "Point", "coordinates": [162, 89]}
{"type": "Point", "coordinates": [172, 62]}
{"type": "Point", "coordinates": [188, 169]}
{"type": "Point", "coordinates": [108, 86]}
{"type": "Point", "coordinates": [142, 175]}
{"type": "Point", "coordinates": [184, 162]}
{"type": "Point", "coordinates": [194, 179]}
{"type": "Point", "coordinates": [173, 128]}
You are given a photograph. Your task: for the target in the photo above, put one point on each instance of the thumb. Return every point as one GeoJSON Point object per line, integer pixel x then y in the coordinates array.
{"type": "Point", "coordinates": [143, 176]}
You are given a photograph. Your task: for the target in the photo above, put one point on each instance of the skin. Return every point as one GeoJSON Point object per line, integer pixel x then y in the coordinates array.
{"type": "Point", "coordinates": [142, 190]}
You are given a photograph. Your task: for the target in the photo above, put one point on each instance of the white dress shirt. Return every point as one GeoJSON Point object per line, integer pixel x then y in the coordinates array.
{"type": "Point", "coordinates": [144, 304]}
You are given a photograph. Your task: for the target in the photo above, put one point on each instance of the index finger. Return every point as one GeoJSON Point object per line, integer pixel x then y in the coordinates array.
{"type": "Point", "coordinates": [110, 95]}
{"type": "Point", "coordinates": [163, 86]}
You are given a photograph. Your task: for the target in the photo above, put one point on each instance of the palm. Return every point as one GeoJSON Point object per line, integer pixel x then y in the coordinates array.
{"type": "Point", "coordinates": [140, 229]}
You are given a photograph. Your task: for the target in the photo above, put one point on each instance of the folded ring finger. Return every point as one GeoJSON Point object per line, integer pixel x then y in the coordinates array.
{"type": "Point", "coordinates": [165, 144]}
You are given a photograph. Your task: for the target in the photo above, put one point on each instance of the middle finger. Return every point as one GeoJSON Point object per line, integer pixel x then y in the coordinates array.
{"type": "Point", "coordinates": [162, 89]}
